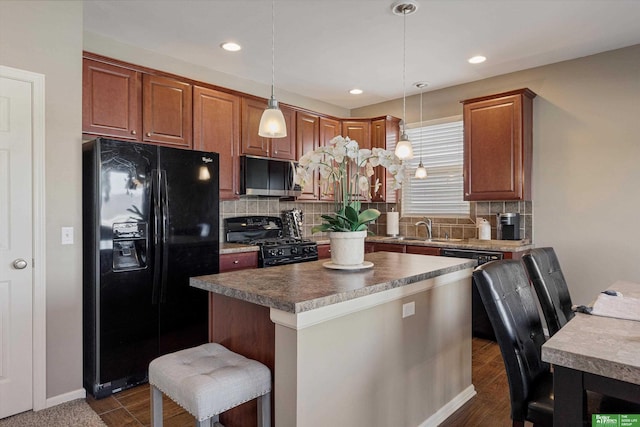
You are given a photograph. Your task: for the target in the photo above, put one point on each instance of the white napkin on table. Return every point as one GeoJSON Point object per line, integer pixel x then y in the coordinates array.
{"type": "Point", "coordinates": [620, 306]}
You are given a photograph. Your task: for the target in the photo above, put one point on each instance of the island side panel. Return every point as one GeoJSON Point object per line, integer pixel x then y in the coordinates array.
{"type": "Point", "coordinates": [375, 368]}
{"type": "Point", "coordinates": [246, 329]}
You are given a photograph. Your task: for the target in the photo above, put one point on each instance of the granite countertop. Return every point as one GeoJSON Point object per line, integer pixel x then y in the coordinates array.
{"type": "Point", "coordinates": [599, 345]}
{"type": "Point", "coordinates": [487, 245]}
{"type": "Point", "coordinates": [296, 288]}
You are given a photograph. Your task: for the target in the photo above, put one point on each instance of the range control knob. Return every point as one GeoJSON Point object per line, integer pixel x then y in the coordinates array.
{"type": "Point", "coordinates": [295, 250]}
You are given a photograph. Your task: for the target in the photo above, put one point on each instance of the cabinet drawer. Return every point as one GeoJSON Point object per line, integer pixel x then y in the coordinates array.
{"type": "Point", "coordinates": [324, 251]}
{"type": "Point", "coordinates": [238, 261]}
{"type": "Point", "coordinates": [423, 250]}
{"type": "Point", "coordinates": [389, 247]}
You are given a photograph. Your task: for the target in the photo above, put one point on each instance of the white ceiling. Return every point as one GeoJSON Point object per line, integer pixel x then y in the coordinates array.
{"type": "Point", "coordinates": [326, 47]}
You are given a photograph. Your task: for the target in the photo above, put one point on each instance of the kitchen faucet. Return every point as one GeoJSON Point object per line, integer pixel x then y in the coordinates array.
{"type": "Point", "coordinates": [427, 224]}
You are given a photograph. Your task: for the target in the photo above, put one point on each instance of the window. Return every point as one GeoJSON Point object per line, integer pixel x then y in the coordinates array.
{"type": "Point", "coordinates": [440, 194]}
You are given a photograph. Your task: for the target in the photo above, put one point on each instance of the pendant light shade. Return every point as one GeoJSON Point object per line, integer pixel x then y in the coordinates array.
{"type": "Point", "coordinates": [272, 124]}
{"type": "Point", "coordinates": [404, 150]}
{"type": "Point", "coordinates": [421, 171]}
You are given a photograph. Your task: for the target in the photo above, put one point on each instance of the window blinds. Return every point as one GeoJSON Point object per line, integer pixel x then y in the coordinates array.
{"type": "Point", "coordinates": [440, 194]}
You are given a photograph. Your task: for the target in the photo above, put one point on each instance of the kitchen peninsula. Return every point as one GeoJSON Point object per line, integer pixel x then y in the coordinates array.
{"type": "Point", "coordinates": [389, 345]}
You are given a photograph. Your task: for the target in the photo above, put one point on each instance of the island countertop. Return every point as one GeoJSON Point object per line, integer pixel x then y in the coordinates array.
{"type": "Point", "coordinates": [296, 288]}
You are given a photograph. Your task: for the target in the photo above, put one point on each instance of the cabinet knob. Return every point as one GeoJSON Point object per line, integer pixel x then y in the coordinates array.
{"type": "Point", "coordinates": [236, 262]}
{"type": "Point", "coordinates": [133, 132]}
{"type": "Point", "coordinates": [148, 133]}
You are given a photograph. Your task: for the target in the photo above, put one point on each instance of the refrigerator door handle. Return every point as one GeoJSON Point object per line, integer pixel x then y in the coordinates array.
{"type": "Point", "coordinates": [157, 242]}
{"type": "Point", "coordinates": [164, 203]}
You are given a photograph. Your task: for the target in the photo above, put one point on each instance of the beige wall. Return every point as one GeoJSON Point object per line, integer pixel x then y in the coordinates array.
{"type": "Point", "coordinates": [46, 37]}
{"type": "Point", "coordinates": [586, 160]}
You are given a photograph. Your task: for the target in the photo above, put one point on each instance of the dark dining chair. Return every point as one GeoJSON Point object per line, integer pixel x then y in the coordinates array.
{"type": "Point", "coordinates": [510, 304]}
{"type": "Point", "coordinates": [543, 269]}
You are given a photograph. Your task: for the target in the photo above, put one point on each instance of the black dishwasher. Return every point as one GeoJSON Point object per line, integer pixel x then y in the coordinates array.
{"type": "Point", "coordinates": [480, 323]}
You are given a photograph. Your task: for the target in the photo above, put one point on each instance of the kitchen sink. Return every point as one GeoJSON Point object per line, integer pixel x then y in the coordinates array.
{"type": "Point", "coordinates": [422, 239]}
{"type": "Point", "coordinates": [445, 240]}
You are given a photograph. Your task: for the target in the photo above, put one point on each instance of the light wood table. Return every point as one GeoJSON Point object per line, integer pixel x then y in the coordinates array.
{"type": "Point", "coordinates": [596, 353]}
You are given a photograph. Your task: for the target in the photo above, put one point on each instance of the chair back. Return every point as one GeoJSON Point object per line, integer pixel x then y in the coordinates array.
{"type": "Point", "coordinates": [548, 281]}
{"type": "Point", "coordinates": [510, 304]}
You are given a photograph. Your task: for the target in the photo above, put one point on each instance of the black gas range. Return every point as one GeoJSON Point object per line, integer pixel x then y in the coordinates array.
{"type": "Point", "coordinates": [267, 233]}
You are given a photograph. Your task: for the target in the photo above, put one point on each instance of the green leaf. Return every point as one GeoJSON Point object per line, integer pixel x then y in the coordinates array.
{"type": "Point", "coordinates": [368, 216]}
{"type": "Point", "coordinates": [351, 214]}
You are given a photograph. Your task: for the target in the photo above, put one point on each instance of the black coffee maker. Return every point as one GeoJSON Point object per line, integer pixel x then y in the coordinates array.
{"type": "Point", "coordinates": [508, 224]}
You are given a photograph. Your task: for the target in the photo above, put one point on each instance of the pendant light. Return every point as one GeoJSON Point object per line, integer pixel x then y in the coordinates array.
{"type": "Point", "coordinates": [272, 124]}
{"type": "Point", "coordinates": [421, 171]}
{"type": "Point", "coordinates": [404, 150]}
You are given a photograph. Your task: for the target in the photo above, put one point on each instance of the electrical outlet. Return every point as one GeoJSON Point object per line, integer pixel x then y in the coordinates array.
{"type": "Point", "coordinates": [408, 309]}
{"type": "Point", "coordinates": [67, 236]}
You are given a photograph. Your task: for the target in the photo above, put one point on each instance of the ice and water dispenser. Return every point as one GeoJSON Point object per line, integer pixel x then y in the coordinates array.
{"type": "Point", "coordinates": [508, 225]}
{"type": "Point", "coordinates": [130, 245]}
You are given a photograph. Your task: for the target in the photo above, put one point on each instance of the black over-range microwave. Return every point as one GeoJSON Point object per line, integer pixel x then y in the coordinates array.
{"type": "Point", "coordinates": [260, 176]}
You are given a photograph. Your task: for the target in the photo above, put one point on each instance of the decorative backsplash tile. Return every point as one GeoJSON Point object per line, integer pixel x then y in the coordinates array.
{"type": "Point", "coordinates": [456, 228]}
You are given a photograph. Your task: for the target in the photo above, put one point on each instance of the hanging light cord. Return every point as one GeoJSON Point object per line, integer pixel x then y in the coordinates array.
{"type": "Point", "coordinates": [404, 69]}
{"type": "Point", "coordinates": [273, 47]}
{"type": "Point", "coordinates": [421, 142]}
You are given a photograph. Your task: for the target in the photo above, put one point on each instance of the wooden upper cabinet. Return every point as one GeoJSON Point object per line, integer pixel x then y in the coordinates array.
{"type": "Point", "coordinates": [498, 146]}
{"type": "Point", "coordinates": [216, 127]}
{"type": "Point", "coordinates": [111, 104]}
{"type": "Point", "coordinates": [358, 130]}
{"type": "Point", "coordinates": [255, 145]}
{"type": "Point", "coordinates": [384, 131]}
{"type": "Point", "coordinates": [166, 111]}
{"type": "Point", "coordinates": [307, 140]}
{"type": "Point", "coordinates": [329, 129]}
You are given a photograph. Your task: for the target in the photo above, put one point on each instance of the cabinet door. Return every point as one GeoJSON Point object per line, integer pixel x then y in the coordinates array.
{"type": "Point", "coordinates": [238, 261]}
{"type": "Point", "coordinates": [285, 148]}
{"type": "Point", "coordinates": [423, 250]}
{"type": "Point", "coordinates": [497, 147]}
{"type": "Point", "coordinates": [255, 145]}
{"type": "Point", "coordinates": [110, 100]}
{"type": "Point", "coordinates": [166, 111]}
{"type": "Point", "coordinates": [390, 247]}
{"type": "Point", "coordinates": [383, 131]}
{"type": "Point", "coordinates": [307, 140]}
{"type": "Point", "coordinates": [329, 129]}
{"type": "Point", "coordinates": [252, 143]}
{"type": "Point", "coordinates": [324, 251]}
{"type": "Point", "coordinates": [358, 130]}
{"type": "Point", "coordinates": [216, 127]}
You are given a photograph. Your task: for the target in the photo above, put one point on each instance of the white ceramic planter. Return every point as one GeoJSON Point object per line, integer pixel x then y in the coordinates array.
{"type": "Point", "coordinates": [347, 248]}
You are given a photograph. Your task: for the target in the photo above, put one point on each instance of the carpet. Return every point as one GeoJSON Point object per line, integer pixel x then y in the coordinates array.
{"type": "Point", "coordinates": [69, 414]}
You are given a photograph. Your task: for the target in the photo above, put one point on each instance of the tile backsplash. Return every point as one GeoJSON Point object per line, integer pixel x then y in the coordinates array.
{"type": "Point", "coordinates": [457, 228]}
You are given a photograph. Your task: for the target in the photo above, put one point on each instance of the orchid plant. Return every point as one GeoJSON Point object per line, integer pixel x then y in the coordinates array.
{"type": "Point", "coordinates": [347, 169]}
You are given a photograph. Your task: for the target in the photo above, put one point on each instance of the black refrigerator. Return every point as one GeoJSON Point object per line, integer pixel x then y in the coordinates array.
{"type": "Point", "coordinates": [150, 221]}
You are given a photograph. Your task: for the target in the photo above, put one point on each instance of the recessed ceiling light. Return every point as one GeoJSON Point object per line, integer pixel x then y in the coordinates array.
{"type": "Point", "coordinates": [477, 59]}
{"type": "Point", "coordinates": [231, 46]}
{"type": "Point", "coordinates": [355, 91]}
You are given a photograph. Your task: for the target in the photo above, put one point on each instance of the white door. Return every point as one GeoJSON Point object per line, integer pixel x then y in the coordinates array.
{"type": "Point", "coordinates": [16, 247]}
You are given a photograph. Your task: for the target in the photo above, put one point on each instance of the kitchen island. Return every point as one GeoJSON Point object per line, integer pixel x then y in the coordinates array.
{"type": "Point", "coordinates": [389, 345]}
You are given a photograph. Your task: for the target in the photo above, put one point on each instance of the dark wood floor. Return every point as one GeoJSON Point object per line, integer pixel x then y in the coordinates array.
{"type": "Point", "coordinates": [489, 408]}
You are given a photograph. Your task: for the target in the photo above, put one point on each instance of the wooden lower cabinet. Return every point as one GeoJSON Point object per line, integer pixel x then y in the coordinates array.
{"type": "Point", "coordinates": [244, 328]}
{"type": "Point", "coordinates": [238, 261]}
{"type": "Point", "coordinates": [389, 247]}
{"type": "Point", "coordinates": [423, 250]}
{"type": "Point", "coordinates": [324, 251]}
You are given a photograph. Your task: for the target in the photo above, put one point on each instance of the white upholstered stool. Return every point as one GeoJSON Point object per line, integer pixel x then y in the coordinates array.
{"type": "Point", "coordinates": [208, 380]}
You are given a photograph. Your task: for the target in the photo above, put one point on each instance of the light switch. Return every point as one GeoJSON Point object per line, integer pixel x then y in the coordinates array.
{"type": "Point", "coordinates": [67, 236]}
{"type": "Point", "coordinates": [408, 309]}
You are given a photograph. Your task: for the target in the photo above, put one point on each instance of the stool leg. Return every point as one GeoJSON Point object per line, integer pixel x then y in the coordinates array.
{"type": "Point", "coordinates": [156, 407]}
{"type": "Point", "coordinates": [264, 410]}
